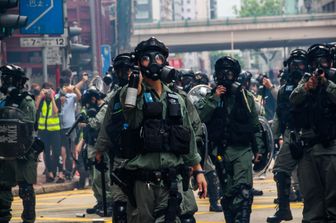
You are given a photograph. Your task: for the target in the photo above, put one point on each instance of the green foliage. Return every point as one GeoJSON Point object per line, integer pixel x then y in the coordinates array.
{"type": "Point", "coordinates": [255, 8]}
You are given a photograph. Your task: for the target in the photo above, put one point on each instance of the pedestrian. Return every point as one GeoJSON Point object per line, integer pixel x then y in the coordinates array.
{"type": "Point", "coordinates": [69, 96]}
{"type": "Point", "coordinates": [49, 128]}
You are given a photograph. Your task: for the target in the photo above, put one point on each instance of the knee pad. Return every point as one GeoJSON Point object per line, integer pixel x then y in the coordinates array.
{"type": "Point", "coordinates": [119, 212]}
{"type": "Point", "coordinates": [187, 218]}
{"type": "Point", "coordinates": [243, 197]}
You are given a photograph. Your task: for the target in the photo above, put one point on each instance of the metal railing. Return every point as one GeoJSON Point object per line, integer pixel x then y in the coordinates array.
{"type": "Point", "coordinates": [235, 21]}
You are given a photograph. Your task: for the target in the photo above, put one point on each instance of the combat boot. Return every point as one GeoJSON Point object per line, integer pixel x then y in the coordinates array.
{"type": "Point", "coordinates": [283, 212]}
{"type": "Point", "coordinates": [229, 214]}
{"type": "Point", "coordinates": [109, 212]}
{"type": "Point", "coordinates": [213, 191]}
{"type": "Point", "coordinates": [94, 209]}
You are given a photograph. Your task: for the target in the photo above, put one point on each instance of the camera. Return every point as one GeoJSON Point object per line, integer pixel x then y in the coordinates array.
{"type": "Point", "coordinates": [48, 93]}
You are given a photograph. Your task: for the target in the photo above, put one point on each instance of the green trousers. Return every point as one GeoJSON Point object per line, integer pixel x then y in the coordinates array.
{"type": "Point", "coordinates": [151, 199]}
{"type": "Point", "coordinates": [317, 172]}
{"type": "Point", "coordinates": [22, 172]}
{"type": "Point", "coordinates": [284, 162]}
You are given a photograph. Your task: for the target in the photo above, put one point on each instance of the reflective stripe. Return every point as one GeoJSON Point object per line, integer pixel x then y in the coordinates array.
{"type": "Point", "coordinates": [52, 121]}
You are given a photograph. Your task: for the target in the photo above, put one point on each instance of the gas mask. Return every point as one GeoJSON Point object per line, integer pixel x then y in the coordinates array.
{"type": "Point", "coordinates": [225, 77]}
{"type": "Point", "coordinates": [121, 75]}
{"type": "Point", "coordinates": [151, 65]}
{"type": "Point", "coordinates": [297, 69]}
{"type": "Point", "coordinates": [10, 86]}
{"type": "Point", "coordinates": [320, 65]}
{"type": "Point", "coordinates": [228, 79]}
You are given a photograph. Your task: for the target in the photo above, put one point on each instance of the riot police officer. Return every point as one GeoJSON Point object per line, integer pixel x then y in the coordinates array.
{"type": "Point", "coordinates": [166, 146]}
{"type": "Point", "coordinates": [109, 135]}
{"type": "Point", "coordinates": [93, 101]}
{"type": "Point", "coordinates": [285, 163]}
{"type": "Point", "coordinates": [315, 96]}
{"type": "Point", "coordinates": [230, 114]}
{"type": "Point", "coordinates": [18, 159]}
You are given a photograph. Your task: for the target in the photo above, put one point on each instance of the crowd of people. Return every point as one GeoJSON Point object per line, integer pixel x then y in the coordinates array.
{"type": "Point", "coordinates": [140, 137]}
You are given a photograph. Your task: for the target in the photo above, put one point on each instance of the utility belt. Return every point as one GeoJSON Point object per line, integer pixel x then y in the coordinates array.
{"type": "Point", "coordinates": [297, 143]}
{"type": "Point", "coordinates": [313, 141]}
{"type": "Point", "coordinates": [125, 179]}
{"type": "Point", "coordinates": [156, 176]}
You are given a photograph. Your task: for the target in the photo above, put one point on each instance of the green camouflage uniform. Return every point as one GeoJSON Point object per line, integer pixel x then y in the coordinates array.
{"type": "Point", "coordinates": [105, 145]}
{"type": "Point", "coordinates": [95, 175]}
{"type": "Point", "coordinates": [235, 159]}
{"type": "Point", "coordinates": [153, 198]}
{"type": "Point", "coordinates": [317, 168]}
{"type": "Point", "coordinates": [22, 172]}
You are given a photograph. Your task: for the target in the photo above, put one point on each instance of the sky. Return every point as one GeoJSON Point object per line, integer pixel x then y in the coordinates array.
{"type": "Point", "coordinates": [225, 7]}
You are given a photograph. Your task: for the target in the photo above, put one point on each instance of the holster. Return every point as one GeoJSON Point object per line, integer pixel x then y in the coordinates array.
{"type": "Point", "coordinates": [125, 180]}
{"type": "Point", "coordinates": [174, 199]}
{"type": "Point", "coordinates": [296, 145]}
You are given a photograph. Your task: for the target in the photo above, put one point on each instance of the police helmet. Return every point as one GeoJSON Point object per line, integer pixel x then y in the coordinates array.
{"type": "Point", "coordinates": [228, 63]}
{"type": "Point", "coordinates": [227, 70]}
{"type": "Point", "coordinates": [122, 60]}
{"type": "Point", "coordinates": [88, 94]}
{"type": "Point", "coordinates": [201, 78]}
{"type": "Point", "coordinates": [318, 51]}
{"type": "Point", "coordinates": [152, 44]}
{"type": "Point", "coordinates": [187, 79]}
{"type": "Point", "coordinates": [244, 78]}
{"type": "Point", "coordinates": [297, 61]}
{"type": "Point", "coordinates": [12, 76]}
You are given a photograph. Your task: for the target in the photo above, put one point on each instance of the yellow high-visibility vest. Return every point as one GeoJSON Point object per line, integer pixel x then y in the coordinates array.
{"type": "Point", "coordinates": [48, 120]}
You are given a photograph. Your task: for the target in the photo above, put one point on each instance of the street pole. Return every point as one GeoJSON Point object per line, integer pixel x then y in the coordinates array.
{"type": "Point", "coordinates": [93, 35]}
{"type": "Point", "coordinates": [232, 44]}
{"type": "Point", "coordinates": [65, 54]}
{"type": "Point", "coordinates": [44, 62]}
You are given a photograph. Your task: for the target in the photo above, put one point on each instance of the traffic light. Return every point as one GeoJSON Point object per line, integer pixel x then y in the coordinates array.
{"type": "Point", "coordinates": [80, 56]}
{"type": "Point", "coordinates": [9, 22]}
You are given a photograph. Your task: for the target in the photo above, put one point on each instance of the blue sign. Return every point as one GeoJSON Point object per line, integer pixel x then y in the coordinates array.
{"type": "Point", "coordinates": [44, 16]}
{"type": "Point", "coordinates": [105, 52]}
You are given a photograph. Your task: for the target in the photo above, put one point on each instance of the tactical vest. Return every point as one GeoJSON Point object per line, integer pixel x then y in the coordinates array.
{"type": "Point", "coordinates": [16, 135]}
{"type": "Point", "coordinates": [159, 132]}
{"type": "Point", "coordinates": [235, 128]}
{"type": "Point", "coordinates": [90, 134]}
{"type": "Point", "coordinates": [116, 129]}
{"type": "Point", "coordinates": [323, 116]}
{"type": "Point", "coordinates": [47, 119]}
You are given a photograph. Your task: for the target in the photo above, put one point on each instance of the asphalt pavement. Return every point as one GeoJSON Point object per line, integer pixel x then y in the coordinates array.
{"type": "Point", "coordinates": [69, 206]}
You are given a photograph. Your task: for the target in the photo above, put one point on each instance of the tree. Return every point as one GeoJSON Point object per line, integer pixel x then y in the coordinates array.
{"type": "Point", "coordinates": [255, 8]}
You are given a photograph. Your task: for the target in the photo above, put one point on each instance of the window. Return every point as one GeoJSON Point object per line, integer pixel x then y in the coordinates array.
{"type": "Point", "coordinates": [142, 15]}
{"type": "Point", "coordinates": [142, 2]}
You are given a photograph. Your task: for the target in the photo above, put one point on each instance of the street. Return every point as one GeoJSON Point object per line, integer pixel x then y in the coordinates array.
{"type": "Point", "coordinates": [63, 206]}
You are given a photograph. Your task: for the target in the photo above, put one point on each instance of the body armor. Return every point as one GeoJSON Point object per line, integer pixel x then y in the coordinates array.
{"type": "Point", "coordinates": [234, 128]}
{"type": "Point", "coordinates": [15, 134]}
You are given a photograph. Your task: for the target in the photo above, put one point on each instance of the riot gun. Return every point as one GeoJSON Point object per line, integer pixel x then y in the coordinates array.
{"type": "Point", "coordinates": [318, 72]}
{"type": "Point", "coordinates": [82, 118]}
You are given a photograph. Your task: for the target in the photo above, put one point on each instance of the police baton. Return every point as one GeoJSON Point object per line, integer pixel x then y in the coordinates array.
{"type": "Point", "coordinates": [102, 168]}
{"type": "Point", "coordinates": [206, 144]}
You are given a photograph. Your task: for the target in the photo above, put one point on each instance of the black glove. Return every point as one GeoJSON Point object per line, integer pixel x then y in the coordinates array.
{"type": "Point", "coordinates": [101, 166]}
